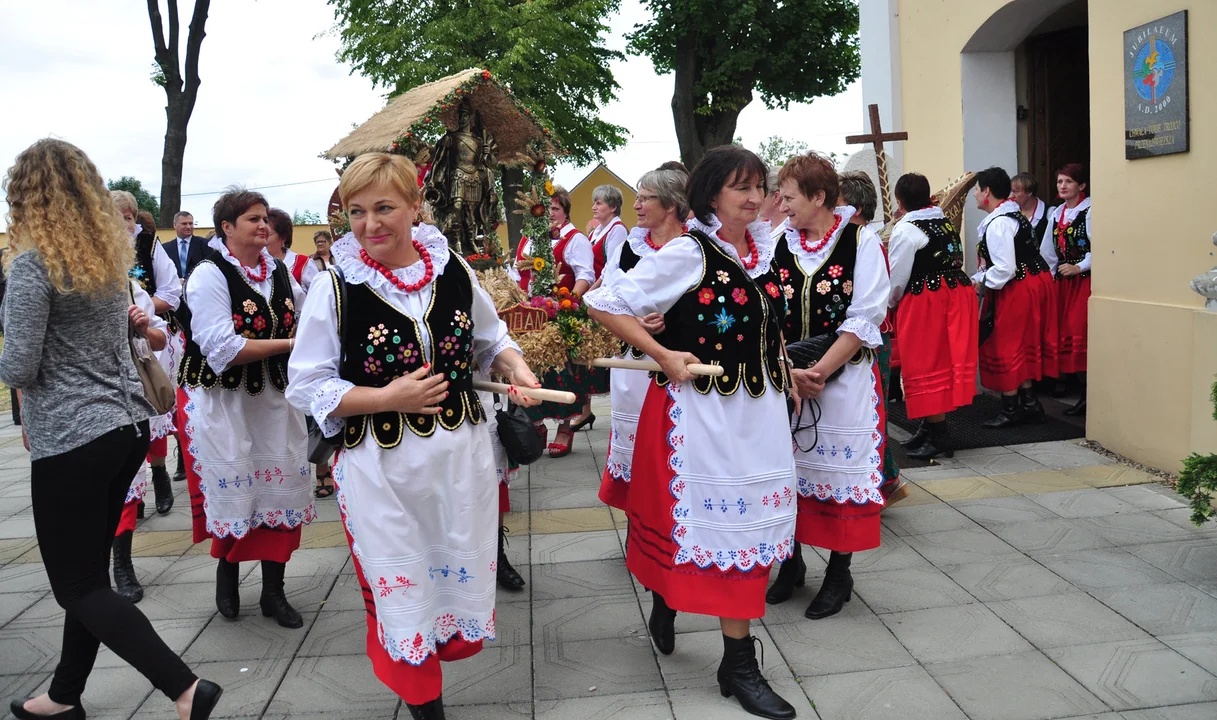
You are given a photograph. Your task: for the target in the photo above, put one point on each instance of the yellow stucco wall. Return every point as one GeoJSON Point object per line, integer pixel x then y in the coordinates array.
{"type": "Point", "coordinates": [1153, 348]}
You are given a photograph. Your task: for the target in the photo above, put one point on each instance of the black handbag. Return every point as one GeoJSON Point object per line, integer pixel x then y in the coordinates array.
{"type": "Point", "coordinates": [520, 437]}
{"type": "Point", "coordinates": [807, 352]}
{"type": "Point", "coordinates": [320, 447]}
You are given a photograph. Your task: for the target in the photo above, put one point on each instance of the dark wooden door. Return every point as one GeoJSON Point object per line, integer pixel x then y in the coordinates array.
{"type": "Point", "coordinates": [1058, 75]}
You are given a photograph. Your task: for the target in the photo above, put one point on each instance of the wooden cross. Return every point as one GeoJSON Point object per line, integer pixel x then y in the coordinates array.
{"type": "Point", "coordinates": [877, 137]}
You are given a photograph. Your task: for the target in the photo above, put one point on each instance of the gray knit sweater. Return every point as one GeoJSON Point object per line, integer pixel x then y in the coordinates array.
{"type": "Point", "coordinates": [69, 355]}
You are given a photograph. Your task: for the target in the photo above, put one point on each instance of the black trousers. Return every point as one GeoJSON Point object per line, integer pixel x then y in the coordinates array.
{"type": "Point", "coordinates": [78, 499]}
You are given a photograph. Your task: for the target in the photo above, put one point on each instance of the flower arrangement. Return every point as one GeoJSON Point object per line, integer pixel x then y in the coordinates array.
{"type": "Point", "coordinates": [532, 204]}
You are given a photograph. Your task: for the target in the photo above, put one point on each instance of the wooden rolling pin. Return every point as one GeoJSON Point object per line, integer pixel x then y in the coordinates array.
{"type": "Point", "coordinates": [558, 396]}
{"type": "Point", "coordinates": [651, 365]}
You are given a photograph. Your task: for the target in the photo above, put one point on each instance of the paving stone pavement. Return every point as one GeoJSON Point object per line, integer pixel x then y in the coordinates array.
{"type": "Point", "coordinates": [1025, 583]}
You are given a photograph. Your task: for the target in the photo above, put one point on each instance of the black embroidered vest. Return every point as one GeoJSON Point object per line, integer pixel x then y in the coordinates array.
{"type": "Point", "coordinates": [382, 344]}
{"type": "Point", "coordinates": [1042, 226]}
{"type": "Point", "coordinates": [144, 272]}
{"type": "Point", "coordinates": [629, 259]}
{"type": "Point", "coordinates": [253, 317]}
{"type": "Point", "coordinates": [821, 297]}
{"type": "Point", "coordinates": [1077, 243]}
{"type": "Point", "coordinates": [941, 260]}
{"type": "Point", "coordinates": [730, 319]}
{"type": "Point", "coordinates": [1026, 250]}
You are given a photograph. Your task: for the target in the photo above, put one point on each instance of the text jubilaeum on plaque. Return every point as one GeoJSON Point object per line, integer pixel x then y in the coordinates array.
{"type": "Point", "coordinates": [1155, 88]}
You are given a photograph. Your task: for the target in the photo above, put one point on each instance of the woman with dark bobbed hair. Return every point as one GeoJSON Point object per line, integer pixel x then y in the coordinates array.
{"type": "Point", "coordinates": [712, 502]}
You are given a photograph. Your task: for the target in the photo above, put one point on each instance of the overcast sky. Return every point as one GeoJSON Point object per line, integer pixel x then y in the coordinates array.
{"type": "Point", "coordinates": [273, 97]}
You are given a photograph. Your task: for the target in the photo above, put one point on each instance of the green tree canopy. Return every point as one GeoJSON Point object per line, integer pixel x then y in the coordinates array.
{"type": "Point", "coordinates": [550, 52]}
{"type": "Point", "coordinates": [306, 217]}
{"type": "Point", "coordinates": [144, 199]}
{"type": "Point", "coordinates": [723, 52]}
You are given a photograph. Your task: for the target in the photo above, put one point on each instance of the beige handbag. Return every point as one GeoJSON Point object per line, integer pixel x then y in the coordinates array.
{"type": "Point", "coordinates": [158, 390]}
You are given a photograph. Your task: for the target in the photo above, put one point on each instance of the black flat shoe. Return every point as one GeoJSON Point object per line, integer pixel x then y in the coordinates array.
{"type": "Point", "coordinates": [1077, 410]}
{"type": "Point", "coordinates": [923, 432]}
{"type": "Point", "coordinates": [206, 697]}
{"type": "Point", "coordinates": [662, 625]}
{"type": "Point", "coordinates": [17, 708]}
{"type": "Point", "coordinates": [588, 422]}
{"type": "Point", "coordinates": [937, 442]}
{"type": "Point", "coordinates": [792, 574]}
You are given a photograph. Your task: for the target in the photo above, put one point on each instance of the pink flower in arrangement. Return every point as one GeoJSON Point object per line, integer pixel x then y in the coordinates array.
{"type": "Point", "coordinates": [848, 287]}
{"type": "Point", "coordinates": [706, 296]}
{"type": "Point", "coordinates": [740, 296]}
{"type": "Point", "coordinates": [835, 271]}
{"type": "Point", "coordinates": [772, 289]}
{"type": "Point", "coordinates": [259, 323]}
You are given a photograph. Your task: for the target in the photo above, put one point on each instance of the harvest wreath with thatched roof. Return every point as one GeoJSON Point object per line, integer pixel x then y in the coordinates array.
{"type": "Point", "coordinates": [550, 325]}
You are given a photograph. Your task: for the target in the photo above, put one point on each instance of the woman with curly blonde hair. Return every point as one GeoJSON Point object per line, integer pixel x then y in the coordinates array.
{"type": "Point", "coordinates": [66, 313]}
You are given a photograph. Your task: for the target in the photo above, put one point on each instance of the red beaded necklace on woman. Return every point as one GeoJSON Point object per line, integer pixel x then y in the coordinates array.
{"type": "Point", "coordinates": [261, 268]}
{"type": "Point", "coordinates": [813, 249]}
{"type": "Point", "coordinates": [412, 287]}
{"type": "Point", "coordinates": [752, 257]}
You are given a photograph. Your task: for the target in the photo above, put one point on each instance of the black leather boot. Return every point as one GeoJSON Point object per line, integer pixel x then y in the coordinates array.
{"type": "Point", "coordinates": [1033, 411]}
{"type": "Point", "coordinates": [274, 602]}
{"type": "Point", "coordinates": [662, 624]}
{"type": "Point", "coordinates": [139, 510]}
{"type": "Point", "coordinates": [1011, 414]}
{"type": "Point", "coordinates": [179, 475]}
{"type": "Point", "coordinates": [228, 599]}
{"type": "Point", "coordinates": [792, 574]}
{"type": "Point", "coordinates": [937, 442]}
{"type": "Point", "coordinates": [739, 674]}
{"type": "Point", "coordinates": [162, 489]}
{"type": "Point", "coordinates": [837, 589]}
{"type": "Point", "coordinates": [125, 582]}
{"type": "Point", "coordinates": [433, 710]}
{"type": "Point", "coordinates": [1080, 408]}
{"type": "Point", "coordinates": [895, 391]}
{"type": "Point", "coordinates": [508, 578]}
{"type": "Point", "coordinates": [923, 431]}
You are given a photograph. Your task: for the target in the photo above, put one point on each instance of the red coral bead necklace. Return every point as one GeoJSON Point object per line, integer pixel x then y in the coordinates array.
{"type": "Point", "coordinates": [406, 288]}
{"type": "Point", "coordinates": [752, 257]}
{"type": "Point", "coordinates": [261, 268]}
{"type": "Point", "coordinates": [813, 249]}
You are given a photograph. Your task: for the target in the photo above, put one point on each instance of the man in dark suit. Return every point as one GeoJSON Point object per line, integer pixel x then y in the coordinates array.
{"type": "Point", "coordinates": [195, 247]}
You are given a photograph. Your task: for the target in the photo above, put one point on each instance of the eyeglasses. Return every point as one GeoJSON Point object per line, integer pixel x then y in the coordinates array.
{"type": "Point", "coordinates": [647, 198]}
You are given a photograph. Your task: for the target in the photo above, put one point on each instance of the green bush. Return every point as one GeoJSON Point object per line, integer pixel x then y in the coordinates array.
{"type": "Point", "coordinates": [1198, 479]}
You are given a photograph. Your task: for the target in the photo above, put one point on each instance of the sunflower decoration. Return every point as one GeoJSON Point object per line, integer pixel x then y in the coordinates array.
{"type": "Point", "coordinates": [549, 187]}
{"type": "Point", "coordinates": [538, 264]}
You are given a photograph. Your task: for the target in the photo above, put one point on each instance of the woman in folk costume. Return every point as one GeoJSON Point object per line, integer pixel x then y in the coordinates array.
{"type": "Point", "coordinates": [247, 449]}
{"type": "Point", "coordinates": [1023, 189]}
{"type": "Point", "coordinates": [661, 206]}
{"type": "Point", "coordinates": [279, 245]}
{"type": "Point", "coordinates": [936, 315]}
{"type": "Point", "coordinates": [712, 502]}
{"type": "Point", "coordinates": [839, 282]}
{"type": "Point", "coordinates": [610, 233]}
{"type": "Point", "coordinates": [415, 475]}
{"type": "Point", "coordinates": [156, 274]}
{"type": "Point", "coordinates": [506, 472]}
{"type": "Point", "coordinates": [575, 271]}
{"type": "Point", "coordinates": [1020, 300]}
{"type": "Point", "coordinates": [1065, 246]}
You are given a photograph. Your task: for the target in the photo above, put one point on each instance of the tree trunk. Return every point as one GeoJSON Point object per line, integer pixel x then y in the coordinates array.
{"type": "Point", "coordinates": [513, 183]}
{"type": "Point", "coordinates": [684, 103]}
{"type": "Point", "coordinates": [173, 158]}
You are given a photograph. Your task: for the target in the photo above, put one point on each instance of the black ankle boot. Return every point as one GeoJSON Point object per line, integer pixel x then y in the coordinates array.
{"type": "Point", "coordinates": [139, 510]}
{"type": "Point", "coordinates": [433, 710]}
{"type": "Point", "coordinates": [662, 624]}
{"type": "Point", "coordinates": [1033, 411]}
{"type": "Point", "coordinates": [792, 574]}
{"type": "Point", "coordinates": [179, 474]}
{"type": "Point", "coordinates": [507, 576]}
{"type": "Point", "coordinates": [125, 582]}
{"type": "Point", "coordinates": [162, 489]}
{"type": "Point", "coordinates": [923, 432]}
{"type": "Point", "coordinates": [895, 391]}
{"type": "Point", "coordinates": [228, 599]}
{"type": "Point", "coordinates": [1080, 408]}
{"type": "Point", "coordinates": [274, 602]}
{"type": "Point", "coordinates": [1011, 414]}
{"type": "Point", "coordinates": [837, 589]}
{"type": "Point", "coordinates": [937, 442]}
{"type": "Point", "coordinates": [740, 675]}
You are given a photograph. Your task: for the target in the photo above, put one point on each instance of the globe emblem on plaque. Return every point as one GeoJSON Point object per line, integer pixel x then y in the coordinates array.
{"type": "Point", "coordinates": [1153, 70]}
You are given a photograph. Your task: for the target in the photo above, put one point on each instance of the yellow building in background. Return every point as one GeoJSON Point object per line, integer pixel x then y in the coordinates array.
{"type": "Point", "coordinates": [1030, 85]}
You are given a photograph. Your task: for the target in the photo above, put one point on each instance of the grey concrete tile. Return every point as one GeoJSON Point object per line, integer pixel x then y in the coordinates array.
{"type": "Point", "coordinates": [893, 553]}
{"type": "Point", "coordinates": [559, 498]}
{"type": "Point", "coordinates": [1062, 620]}
{"type": "Point", "coordinates": [1002, 464]}
{"type": "Point", "coordinates": [1056, 536]}
{"type": "Point", "coordinates": [1182, 518]}
{"type": "Point", "coordinates": [1001, 511]}
{"type": "Point", "coordinates": [24, 577]}
{"type": "Point", "coordinates": [904, 693]}
{"type": "Point", "coordinates": [248, 639]}
{"type": "Point", "coordinates": [19, 686]}
{"type": "Point", "coordinates": [707, 703]}
{"type": "Point", "coordinates": [594, 618]}
{"type": "Point", "coordinates": [1199, 647]}
{"type": "Point", "coordinates": [1023, 686]}
{"type": "Point", "coordinates": [248, 687]}
{"type": "Point", "coordinates": [698, 655]}
{"type": "Point", "coordinates": [1193, 561]}
{"type": "Point", "coordinates": [518, 711]}
{"type": "Point", "coordinates": [912, 589]}
{"type": "Point", "coordinates": [576, 547]}
{"type": "Point", "coordinates": [958, 547]}
{"type": "Point", "coordinates": [17, 526]}
{"type": "Point", "coordinates": [613, 667]}
{"type": "Point", "coordinates": [345, 595]}
{"type": "Point", "coordinates": [29, 648]}
{"type": "Point", "coordinates": [1136, 529]}
{"type": "Point", "coordinates": [1134, 674]}
{"type": "Point", "coordinates": [1016, 577]}
{"type": "Point", "coordinates": [590, 578]}
{"type": "Point", "coordinates": [1088, 503]}
{"type": "Point", "coordinates": [1104, 568]}
{"type": "Point", "coordinates": [513, 622]}
{"type": "Point", "coordinates": [940, 470]}
{"type": "Point", "coordinates": [951, 634]}
{"type": "Point", "coordinates": [1148, 497]}
{"type": "Point", "coordinates": [851, 641]}
{"type": "Point", "coordinates": [355, 715]}
{"type": "Point", "coordinates": [334, 683]}
{"type": "Point", "coordinates": [923, 519]}
{"type": "Point", "coordinates": [189, 569]}
{"type": "Point", "coordinates": [653, 705]}
{"type": "Point", "coordinates": [1061, 456]}
{"type": "Point", "coordinates": [1163, 609]}
{"type": "Point", "coordinates": [14, 604]}
{"type": "Point", "coordinates": [1198, 711]}
{"type": "Point", "coordinates": [499, 674]}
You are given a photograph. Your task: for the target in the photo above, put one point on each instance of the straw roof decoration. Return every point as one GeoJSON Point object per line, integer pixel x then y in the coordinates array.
{"type": "Point", "coordinates": [950, 200]}
{"type": "Point", "coordinates": [421, 114]}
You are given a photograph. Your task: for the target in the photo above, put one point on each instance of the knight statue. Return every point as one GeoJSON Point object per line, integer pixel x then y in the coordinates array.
{"type": "Point", "coordinates": [460, 187]}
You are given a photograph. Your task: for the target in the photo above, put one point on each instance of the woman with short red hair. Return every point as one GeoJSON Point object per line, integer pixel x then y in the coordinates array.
{"type": "Point", "coordinates": [1066, 248]}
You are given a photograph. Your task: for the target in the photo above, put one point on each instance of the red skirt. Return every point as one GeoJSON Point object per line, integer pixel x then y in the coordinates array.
{"type": "Point", "coordinates": [939, 330]}
{"type": "Point", "coordinates": [504, 498]}
{"type": "Point", "coordinates": [260, 543]}
{"type": "Point", "coordinates": [1072, 297]}
{"type": "Point", "coordinates": [158, 448]}
{"type": "Point", "coordinates": [614, 491]}
{"type": "Point", "coordinates": [685, 587]}
{"type": "Point", "coordinates": [416, 684]}
{"type": "Point", "coordinates": [1024, 344]}
{"type": "Point", "coordinates": [126, 521]}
